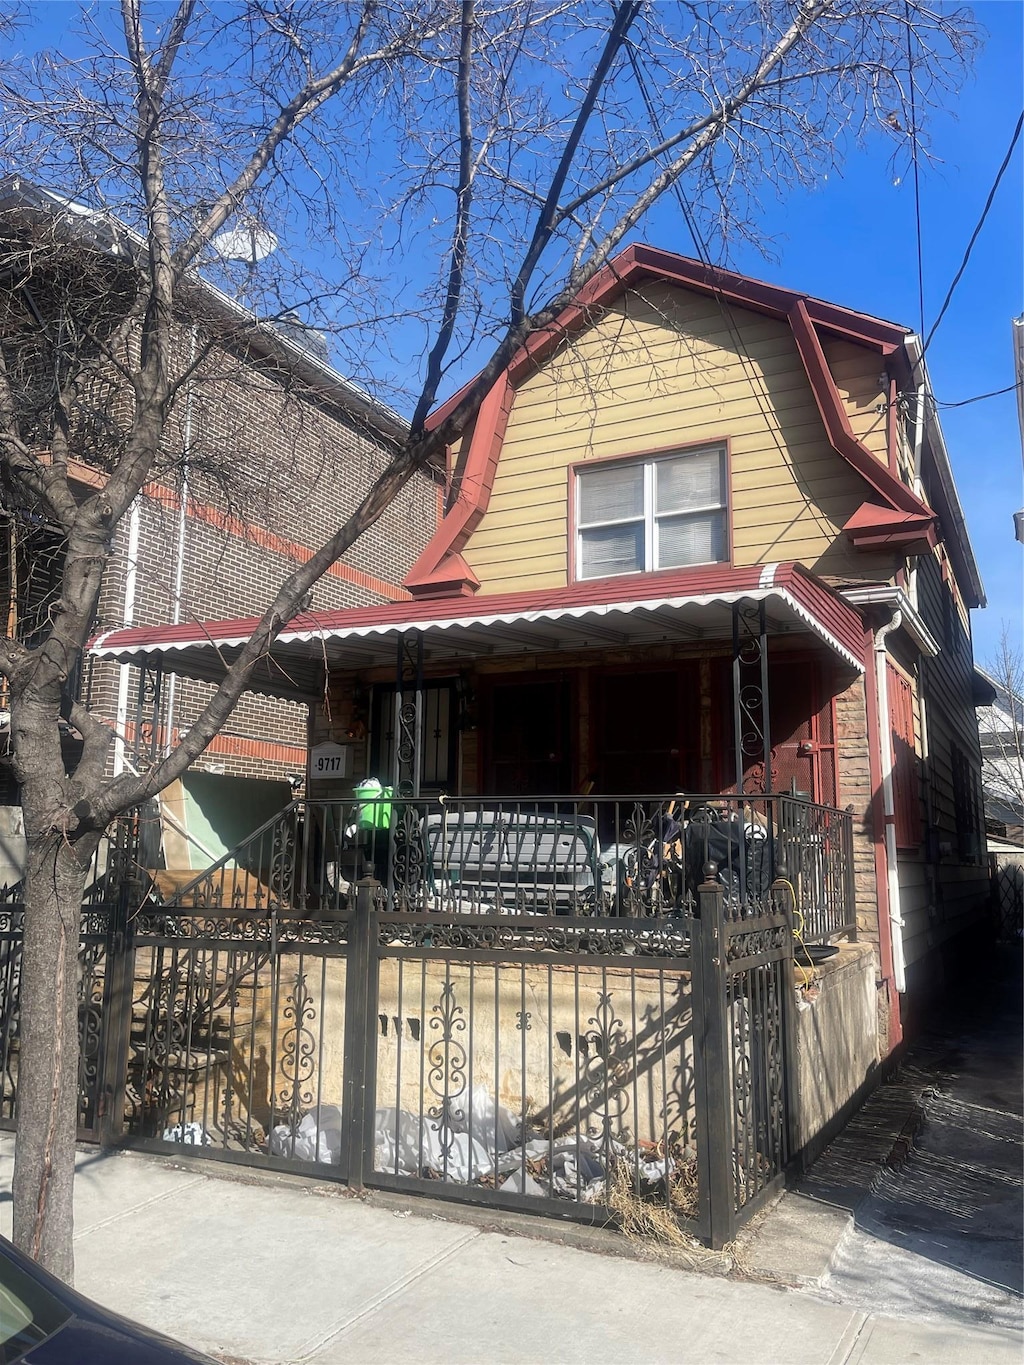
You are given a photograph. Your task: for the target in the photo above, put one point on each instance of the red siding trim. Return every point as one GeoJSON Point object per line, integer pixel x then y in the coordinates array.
{"type": "Point", "coordinates": [837, 423]}
{"type": "Point", "coordinates": [441, 567]}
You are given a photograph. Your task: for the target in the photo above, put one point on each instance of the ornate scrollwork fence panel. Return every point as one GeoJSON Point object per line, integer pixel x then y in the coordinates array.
{"type": "Point", "coordinates": [534, 1061]}
{"type": "Point", "coordinates": [237, 1037]}
{"type": "Point", "coordinates": [94, 960]}
{"type": "Point", "coordinates": [744, 981]}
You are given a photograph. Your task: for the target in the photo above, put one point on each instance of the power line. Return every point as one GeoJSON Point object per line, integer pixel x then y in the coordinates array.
{"type": "Point", "coordinates": [753, 376]}
{"type": "Point", "coordinates": [978, 397]}
{"type": "Point", "coordinates": [975, 234]}
{"type": "Point", "coordinates": [914, 160]}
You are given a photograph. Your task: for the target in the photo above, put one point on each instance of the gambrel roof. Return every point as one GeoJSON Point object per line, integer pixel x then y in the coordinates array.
{"type": "Point", "coordinates": [892, 516]}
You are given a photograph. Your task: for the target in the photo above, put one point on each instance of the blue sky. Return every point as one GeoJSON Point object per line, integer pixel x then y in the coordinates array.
{"type": "Point", "coordinates": [853, 240]}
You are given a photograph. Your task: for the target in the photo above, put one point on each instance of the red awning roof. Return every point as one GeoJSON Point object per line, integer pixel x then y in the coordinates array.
{"type": "Point", "coordinates": [636, 609]}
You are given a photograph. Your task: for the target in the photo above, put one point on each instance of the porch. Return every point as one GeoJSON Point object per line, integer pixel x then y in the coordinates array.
{"type": "Point", "coordinates": [549, 960]}
{"type": "Point", "coordinates": [589, 750]}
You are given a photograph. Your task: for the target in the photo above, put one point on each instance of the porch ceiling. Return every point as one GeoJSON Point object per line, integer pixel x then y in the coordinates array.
{"type": "Point", "coordinates": [687, 606]}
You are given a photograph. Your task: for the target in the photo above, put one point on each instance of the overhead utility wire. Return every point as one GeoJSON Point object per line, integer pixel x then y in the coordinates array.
{"type": "Point", "coordinates": [996, 393]}
{"type": "Point", "coordinates": [917, 177]}
{"type": "Point", "coordinates": [755, 380]}
{"type": "Point", "coordinates": [975, 234]}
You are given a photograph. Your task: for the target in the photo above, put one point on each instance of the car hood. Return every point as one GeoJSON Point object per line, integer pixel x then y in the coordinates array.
{"type": "Point", "coordinates": [84, 1342]}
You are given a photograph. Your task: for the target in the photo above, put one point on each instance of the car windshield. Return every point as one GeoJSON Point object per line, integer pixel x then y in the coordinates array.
{"type": "Point", "coordinates": [28, 1312]}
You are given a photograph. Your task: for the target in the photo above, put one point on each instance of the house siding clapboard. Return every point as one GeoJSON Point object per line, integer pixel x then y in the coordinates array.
{"type": "Point", "coordinates": [667, 367]}
{"type": "Point", "coordinates": [863, 386]}
{"type": "Point", "coordinates": [940, 890]}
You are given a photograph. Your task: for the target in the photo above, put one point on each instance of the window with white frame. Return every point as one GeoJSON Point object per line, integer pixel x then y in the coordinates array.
{"type": "Point", "coordinates": [664, 512]}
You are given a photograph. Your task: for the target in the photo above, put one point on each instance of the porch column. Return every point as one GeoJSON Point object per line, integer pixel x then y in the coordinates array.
{"type": "Point", "coordinates": [408, 753]}
{"type": "Point", "coordinates": [146, 745]}
{"type": "Point", "coordinates": [750, 697]}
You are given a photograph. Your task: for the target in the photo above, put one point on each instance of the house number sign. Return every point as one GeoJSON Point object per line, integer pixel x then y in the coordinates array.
{"type": "Point", "coordinates": [327, 761]}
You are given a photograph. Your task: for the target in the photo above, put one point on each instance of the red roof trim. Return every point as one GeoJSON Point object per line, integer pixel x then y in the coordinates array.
{"type": "Point", "coordinates": [835, 615]}
{"type": "Point", "coordinates": [441, 567]}
{"type": "Point", "coordinates": [640, 262]}
{"type": "Point", "coordinates": [837, 423]}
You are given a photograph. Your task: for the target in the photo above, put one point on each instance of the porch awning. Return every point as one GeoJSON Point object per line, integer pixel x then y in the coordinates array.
{"type": "Point", "coordinates": [637, 609]}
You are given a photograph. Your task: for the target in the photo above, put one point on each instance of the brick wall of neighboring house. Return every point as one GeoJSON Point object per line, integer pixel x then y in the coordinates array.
{"type": "Point", "coordinates": [856, 791]}
{"type": "Point", "coordinates": [270, 475]}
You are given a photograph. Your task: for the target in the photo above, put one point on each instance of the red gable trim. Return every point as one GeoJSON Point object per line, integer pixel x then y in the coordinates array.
{"type": "Point", "coordinates": [441, 568]}
{"type": "Point", "coordinates": [837, 425]}
{"type": "Point", "coordinates": [639, 262]}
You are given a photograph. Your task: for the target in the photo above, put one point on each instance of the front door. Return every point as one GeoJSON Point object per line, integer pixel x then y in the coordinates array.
{"type": "Point", "coordinates": [647, 732]}
{"type": "Point", "coordinates": [528, 731]}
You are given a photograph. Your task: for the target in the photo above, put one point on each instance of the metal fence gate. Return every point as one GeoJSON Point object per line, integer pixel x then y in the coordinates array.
{"type": "Point", "coordinates": [98, 956]}
{"type": "Point", "coordinates": [1007, 891]}
{"type": "Point", "coordinates": [564, 1063]}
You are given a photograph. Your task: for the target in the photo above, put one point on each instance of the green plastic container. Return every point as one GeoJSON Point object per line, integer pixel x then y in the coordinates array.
{"type": "Point", "coordinates": [374, 810]}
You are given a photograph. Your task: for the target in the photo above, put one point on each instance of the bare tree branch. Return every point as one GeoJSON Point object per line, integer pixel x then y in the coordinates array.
{"type": "Point", "coordinates": [548, 218]}
{"type": "Point", "coordinates": [460, 234]}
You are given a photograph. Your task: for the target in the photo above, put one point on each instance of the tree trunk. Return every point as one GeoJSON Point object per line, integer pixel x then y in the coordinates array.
{"type": "Point", "coordinates": [47, 1094]}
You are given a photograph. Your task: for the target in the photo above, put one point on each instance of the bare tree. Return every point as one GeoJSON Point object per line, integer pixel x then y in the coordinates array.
{"type": "Point", "coordinates": [511, 145]}
{"type": "Point", "coordinates": [1001, 730]}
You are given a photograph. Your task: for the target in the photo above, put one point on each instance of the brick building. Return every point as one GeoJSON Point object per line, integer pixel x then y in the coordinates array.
{"type": "Point", "coordinates": [267, 450]}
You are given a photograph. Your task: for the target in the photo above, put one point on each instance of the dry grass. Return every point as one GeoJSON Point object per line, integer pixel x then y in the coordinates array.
{"type": "Point", "coordinates": [648, 1220]}
{"type": "Point", "coordinates": [652, 1223]}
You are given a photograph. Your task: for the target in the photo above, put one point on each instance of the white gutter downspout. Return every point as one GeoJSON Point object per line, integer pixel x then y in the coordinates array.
{"type": "Point", "coordinates": [128, 618]}
{"type": "Point", "coordinates": [179, 555]}
{"type": "Point", "coordinates": [888, 801]}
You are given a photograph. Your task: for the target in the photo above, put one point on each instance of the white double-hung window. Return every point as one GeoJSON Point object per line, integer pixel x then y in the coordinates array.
{"type": "Point", "coordinates": [664, 512]}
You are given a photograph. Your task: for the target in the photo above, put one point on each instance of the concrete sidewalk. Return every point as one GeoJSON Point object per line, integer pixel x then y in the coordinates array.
{"type": "Point", "coordinates": [282, 1271]}
{"type": "Point", "coordinates": [917, 1208]}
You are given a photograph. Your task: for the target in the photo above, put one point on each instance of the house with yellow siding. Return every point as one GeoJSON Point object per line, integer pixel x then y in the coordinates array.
{"type": "Point", "coordinates": [700, 556]}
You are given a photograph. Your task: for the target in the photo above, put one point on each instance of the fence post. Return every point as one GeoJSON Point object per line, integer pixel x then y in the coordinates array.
{"type": "Point", "coordinates": [360, 1040]}
{"type": "Point", "coordinates": [782, 895]}
{"type": "Point", "coordinates": [712, 1042]}
{"type": "Point", "coordinates": [119, 988]}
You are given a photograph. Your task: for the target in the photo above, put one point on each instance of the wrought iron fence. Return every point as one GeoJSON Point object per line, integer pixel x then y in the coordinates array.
{"type": "Point", "coordinates": [743, 975]}
{"type": "Point", "coordinates": [575, 1007]}
{"type": "Point", "coordinates": [236, 1036]}
{"type": "Point", "coordinates": [816, 859]}
{"type": "Point", "coordinates": [1007, 892]}
{"type": "Point", "coordinates": [579, 1065]}
{"type": "Point", "coordinates": [112, 878]}
{"type": "Point", "coordinates": [536, 1063]}
{"type": "Point", "coordinates": [598, 856]}
{"type": "Point", "coordinates": [93, 987]}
